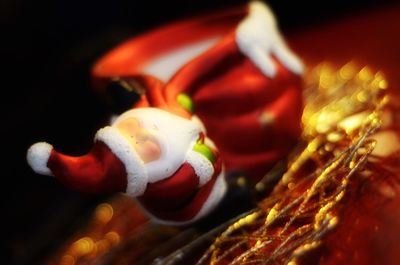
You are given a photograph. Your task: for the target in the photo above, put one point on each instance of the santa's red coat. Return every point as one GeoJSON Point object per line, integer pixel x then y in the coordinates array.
{"type": "Point", "coordinates": [253, 119]}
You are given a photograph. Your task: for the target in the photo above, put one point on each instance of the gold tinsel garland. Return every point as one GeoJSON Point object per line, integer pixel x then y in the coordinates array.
{"type": "Point", "coordinates": [343, 108]}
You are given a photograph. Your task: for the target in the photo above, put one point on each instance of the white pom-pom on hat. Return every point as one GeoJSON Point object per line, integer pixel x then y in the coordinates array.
{"type": "Point", "coordinates": [38, 156]}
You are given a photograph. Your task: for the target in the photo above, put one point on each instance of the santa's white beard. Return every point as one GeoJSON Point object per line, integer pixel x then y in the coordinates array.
{"type": "Point", "coordinates": [175, 136]}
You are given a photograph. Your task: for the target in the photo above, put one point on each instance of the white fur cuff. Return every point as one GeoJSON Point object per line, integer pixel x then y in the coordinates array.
{"type": "Point", "coordinates": [258, 38]}
{"type": "Point", "coordinates": [135, 169]}
{"type": "Point", "coordinates": [38, 156]}
{"type": "Point", "coordinates": [202, 166]}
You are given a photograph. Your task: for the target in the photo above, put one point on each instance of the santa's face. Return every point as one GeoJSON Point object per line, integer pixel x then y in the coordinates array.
{"type": "Point", "coordinates": [161, 139]}
{"type": "Point", "coordinates": [141, 139]}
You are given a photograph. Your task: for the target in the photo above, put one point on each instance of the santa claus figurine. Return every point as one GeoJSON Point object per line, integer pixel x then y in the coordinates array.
{"type": "Point", "coordinates": [243, 91]}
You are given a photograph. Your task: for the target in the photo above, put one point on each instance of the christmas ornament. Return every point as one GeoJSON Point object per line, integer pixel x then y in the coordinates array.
{"type": "Point", "coordinates": [243, 92]}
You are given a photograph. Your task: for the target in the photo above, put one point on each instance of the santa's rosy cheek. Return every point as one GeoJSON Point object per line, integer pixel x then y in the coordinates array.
{"type": "Point", "coordinates": [148, 151]}
{"type": "Point", "coordinates": [140, 139]}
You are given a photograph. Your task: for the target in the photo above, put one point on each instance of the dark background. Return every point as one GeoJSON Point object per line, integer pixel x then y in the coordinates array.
{"type": "Point", "coordinates": [47, 49]}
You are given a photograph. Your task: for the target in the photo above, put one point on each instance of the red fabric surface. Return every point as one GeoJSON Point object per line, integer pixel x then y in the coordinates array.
{"type": "Point", "coordinates": [99, 171]}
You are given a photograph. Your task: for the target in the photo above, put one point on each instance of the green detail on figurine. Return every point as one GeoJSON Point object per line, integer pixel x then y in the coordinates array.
{"type": "Point", "coordinates": [205, 151]}
{"type": "Point", "coordinates": [186, 102]}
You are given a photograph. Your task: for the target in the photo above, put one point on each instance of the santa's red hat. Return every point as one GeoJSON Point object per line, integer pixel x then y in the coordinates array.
{"type": "Point", "coordinates": [112, 165]}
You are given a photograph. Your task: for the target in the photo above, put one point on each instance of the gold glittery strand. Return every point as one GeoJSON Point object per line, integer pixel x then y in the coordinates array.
{"type": "Point", "coordinates": [343, 108]}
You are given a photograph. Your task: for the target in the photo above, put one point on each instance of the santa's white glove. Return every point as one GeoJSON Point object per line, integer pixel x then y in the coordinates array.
{"type": "Point", "coordinates": [258, 37]}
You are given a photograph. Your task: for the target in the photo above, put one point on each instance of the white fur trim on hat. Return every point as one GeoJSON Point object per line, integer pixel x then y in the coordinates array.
{"type": "Point", "coordinates": [134, 165]}
{"type": "Point", "coordinates": [202, 166]}
{"type": "Point", "coordinates": [258, 37]}
{"type": "Point", "coordinates": [38, 156]}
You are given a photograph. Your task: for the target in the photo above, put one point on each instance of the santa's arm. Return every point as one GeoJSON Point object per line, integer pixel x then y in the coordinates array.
{"type": "Point", "coordinates": [190, 76]}
{"type": "Point", "coordinates": [256, 37]}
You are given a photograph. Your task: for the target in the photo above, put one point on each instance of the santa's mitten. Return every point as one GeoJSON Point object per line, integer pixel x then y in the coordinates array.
{"type": "Point", "coordinates": [258, 37]}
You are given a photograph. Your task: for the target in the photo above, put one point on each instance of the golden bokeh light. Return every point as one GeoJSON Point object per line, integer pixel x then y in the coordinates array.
{"type": "Point", "coordinates": [83, 246]}
{"type": "Point", "coordinates": [112, 237]}
{"type": "Point", "coordinates": [104, 212]}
